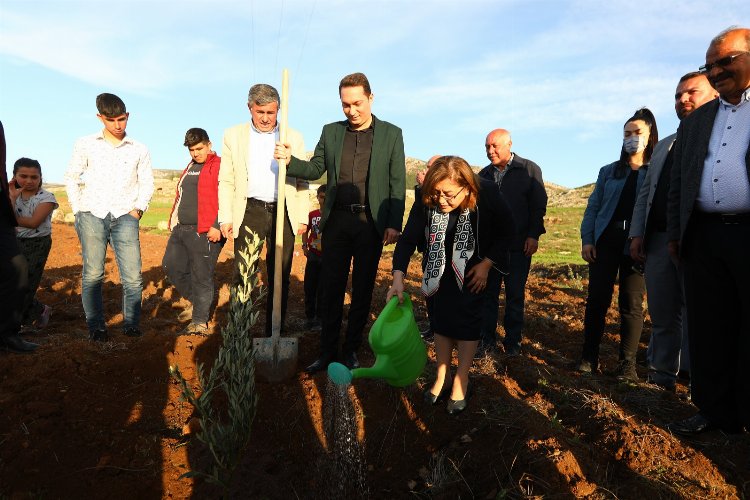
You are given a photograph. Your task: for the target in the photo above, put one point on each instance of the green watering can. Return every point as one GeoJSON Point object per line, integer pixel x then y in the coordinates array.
{"type": "Point", "coordinates": [400, 354]}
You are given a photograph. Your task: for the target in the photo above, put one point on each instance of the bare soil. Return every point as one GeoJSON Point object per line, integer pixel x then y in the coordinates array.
{"type": "Point", "coordinates": [91, 420]}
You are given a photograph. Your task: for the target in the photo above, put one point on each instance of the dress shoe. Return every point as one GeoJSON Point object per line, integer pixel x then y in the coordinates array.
{"type": "Point", "coordinates": [133, 332]}
{"type": "Point", "coordinates": [319, 364]}
{"type": "Point", "coordinates": [691, 426]}
{"type": "Point", "coordinates": [14, 343]}
{"type": "Point", "coordinates": [98, 335]}
{"type": "Point", "coordinates": [455, 407]}
{"type": "Point", "coordinates": [512, 349]}
{"type": "Point", "coordinates": [432, 399]}
{"type": "Point", "coordinates": [350, 360]}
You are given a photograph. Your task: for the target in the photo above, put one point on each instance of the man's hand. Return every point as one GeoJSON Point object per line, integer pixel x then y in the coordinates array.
{"type": "Point", "coordinates": [477, 276]}
{"type": "Point", "coordinates": [588, 252]}
{"type": "Point", "coordinates": [397, 288]}
{"type": "Point", "coordinates": [673, 247]}
{"type": "Point", "coordinates": [636, 249]}
{"type": "Point", "coordinates": [226, 230]}
{"type": "Point", "coordinates": [282, 152]}
{"type": "Point", "coordinates": [213, 235]}
{"type": "Point", "coordinates": [390, 236]}
{"type": "Point", "coordinates": [530, 246]}
{"type": "Point", "coordinates": [136, 214]}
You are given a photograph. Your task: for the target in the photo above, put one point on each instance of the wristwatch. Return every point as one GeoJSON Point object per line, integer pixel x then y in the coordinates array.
{"type": "Point", "coordinates": [139, 212]}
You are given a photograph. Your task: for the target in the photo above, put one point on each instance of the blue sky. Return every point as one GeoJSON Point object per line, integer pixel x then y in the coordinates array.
{"type": "Point", "coordinates": [562, 76]}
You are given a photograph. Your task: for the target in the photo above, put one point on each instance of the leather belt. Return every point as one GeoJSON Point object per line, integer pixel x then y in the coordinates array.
{"type": "Point", "coordinates": [267, 206]}
{"type": "Point", "coordinates": [353, 208]}
{"type": "Point", "coordinates": [717, 218]}
{"type": "Point", "coordinates": [620, 224]}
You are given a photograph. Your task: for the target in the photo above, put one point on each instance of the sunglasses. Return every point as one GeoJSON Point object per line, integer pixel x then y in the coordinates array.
{"type": "Point", "coordinates": [723, 62]}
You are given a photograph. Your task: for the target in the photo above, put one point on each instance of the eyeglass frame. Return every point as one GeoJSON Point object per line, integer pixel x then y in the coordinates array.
{"type": "Point", "coordinates": [435, 198]}
{"type": "Point", "coordinates": [723, 62]}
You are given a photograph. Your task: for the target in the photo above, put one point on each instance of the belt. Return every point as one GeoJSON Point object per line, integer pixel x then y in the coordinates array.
{"type": "Point", "coordinates": [353, 208]}
{"type": "Point", "coordinates": [267, 206]}
{"type": "Point", "coordinates": [717, 218]}
{"type": "Point", "coordinates": [620, 224]}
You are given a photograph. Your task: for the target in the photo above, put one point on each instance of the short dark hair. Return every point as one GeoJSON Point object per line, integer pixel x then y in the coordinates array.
{"type": "Point", "coordinates": [26, 162]}
{"type": "Point", "coordinates": [321, 189]}
{"type": "Point", "coordinates": [356, 80]}
{"type": "Point", "coordinates": [690, 76]}
{"type": "Point", "coordinates": [110, 105]}
{"type": "Point", "coordinates": [195, 136]}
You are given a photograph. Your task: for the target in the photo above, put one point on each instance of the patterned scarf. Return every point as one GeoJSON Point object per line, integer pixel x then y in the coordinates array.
{"type": "Point", "coordinates": [463, 249]}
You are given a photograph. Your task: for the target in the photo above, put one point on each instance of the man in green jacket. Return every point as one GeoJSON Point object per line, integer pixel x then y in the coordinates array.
{"type": "Point", "coordinates": [363, 158]}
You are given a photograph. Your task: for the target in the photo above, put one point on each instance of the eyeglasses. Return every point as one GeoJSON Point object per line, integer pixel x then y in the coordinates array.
{"type": "Point", "coordinates": [723, 62]}
{"type": "Point", "coordinates": [436, 197]}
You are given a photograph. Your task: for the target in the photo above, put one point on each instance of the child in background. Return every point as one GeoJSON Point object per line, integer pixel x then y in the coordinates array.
{"type": "Point", "coordinates": [311, 246]}
{"type": "Point", "coordinates": [33, 207]}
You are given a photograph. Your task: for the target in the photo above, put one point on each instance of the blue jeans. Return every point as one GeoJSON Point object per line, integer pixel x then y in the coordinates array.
{"type": "Point", "coordinates": [515, 295]}
{"type": "Point", "coordinates": [122, 233]}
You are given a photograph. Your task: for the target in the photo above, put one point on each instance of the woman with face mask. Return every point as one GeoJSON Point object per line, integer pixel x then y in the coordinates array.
{"type": "Point", "coordinates": [604, 236]}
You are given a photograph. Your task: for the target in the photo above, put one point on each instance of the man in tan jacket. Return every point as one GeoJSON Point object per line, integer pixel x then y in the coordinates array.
{"type": "Point", "coordinates": [248, 188]}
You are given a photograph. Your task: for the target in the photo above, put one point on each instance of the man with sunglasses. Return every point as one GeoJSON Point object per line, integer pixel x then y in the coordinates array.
{"type": "Point", "coordinates": [520, 181]}
{"type": "Point", "coordinates": [708, 226]}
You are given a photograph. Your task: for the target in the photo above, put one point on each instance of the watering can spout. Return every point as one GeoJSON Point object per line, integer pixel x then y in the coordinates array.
{"type": "Point", "coordinates": [400, 354]}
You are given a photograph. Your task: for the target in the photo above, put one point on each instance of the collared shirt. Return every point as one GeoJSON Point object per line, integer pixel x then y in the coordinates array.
{"type": "Point", "coordinates": [262, 167]}
{"type": "Point", "coordinates": [725, 187]}
{"type": "Point", "coordinates": [355, 164]}
{"type": "Point", "coordinates": [109, 179]}
{"type": "Point", "coordinates": [499, 174]}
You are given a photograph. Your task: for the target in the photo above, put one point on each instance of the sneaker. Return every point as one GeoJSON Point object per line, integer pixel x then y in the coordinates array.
{"type": "Point", "coordinates": [98, 335]}
{"type": "Point", "coordinates": [133, 331]}
{"type": "Point", "coordinates": [186, 314]}
{"type": "Point", "coordinates": [195, 329]}
{"type": "Point", "coordinates": [43, 319]}
{"type": "Point", "coordinates": [625, 371]}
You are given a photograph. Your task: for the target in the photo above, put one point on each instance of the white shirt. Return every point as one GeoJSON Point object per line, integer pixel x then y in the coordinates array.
{"type": "Point", "coordinates": [262, 167]}
{"type": "Point", "coordinates": [106, 179]}
{"type": "Point", "coordinates": [26, 208]}
{"type": "Point", "coordinates": [725, 187]}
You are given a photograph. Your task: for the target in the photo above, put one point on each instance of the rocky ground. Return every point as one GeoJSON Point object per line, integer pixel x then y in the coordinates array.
{"type": "Point", "coordinates": [85, 420]}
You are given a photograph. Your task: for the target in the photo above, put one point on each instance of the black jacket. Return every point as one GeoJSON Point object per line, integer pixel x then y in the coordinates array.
{"type": "Point", "coordinates": [492, 224]}
{"type": "Point", "coordinates": [523, 189]}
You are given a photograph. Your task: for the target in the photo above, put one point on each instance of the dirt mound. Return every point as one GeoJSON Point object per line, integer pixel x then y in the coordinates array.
{"type": "Point", "coordinates": [85, 420]}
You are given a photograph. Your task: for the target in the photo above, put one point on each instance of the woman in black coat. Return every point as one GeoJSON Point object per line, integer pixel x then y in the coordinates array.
{"type": "Point", "coordinates": [463, 227]}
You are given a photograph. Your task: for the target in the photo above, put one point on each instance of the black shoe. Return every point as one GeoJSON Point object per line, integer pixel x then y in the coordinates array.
{"type": "Point", "coordinates": [432, 399]}
{"type": "Point", "coordinates": [455, 407]}
{"type": "Point", "coordinates": [625, 371]}
{"type": "Point", "coordinates": [512, 349]}
{"type": "Point", "coordinates": [319, 364]}
{"type": "Point", "coordinates": [350, 360]}
{"type": "Point", "coordinates": [691, 426]}
{"type": "Point", "coordinates": [668, 385]}
{"type": "Point", "coordinates": [14, 343]}
{"type": "Point", "coordinates": [98, 335]}
{"type": "Point", "coordinates": [133, 332]}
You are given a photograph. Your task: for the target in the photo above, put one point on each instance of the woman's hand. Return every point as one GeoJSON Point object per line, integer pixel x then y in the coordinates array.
{"type": "Point", "coordinates": [397, 288]}
{"type": "Point", "coordinates": [13, 191]}
{"type": "Point", "coordinates": [588, 252]}
{"type": "Point", "coordinates": [477, 276]}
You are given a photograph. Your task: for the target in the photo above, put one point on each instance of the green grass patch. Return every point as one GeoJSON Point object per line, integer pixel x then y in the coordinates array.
{"type": "Point", "coordinates": [561, 244]}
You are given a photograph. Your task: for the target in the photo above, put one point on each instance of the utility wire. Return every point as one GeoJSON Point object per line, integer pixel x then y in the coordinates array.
{"type": "Point", "coordinates": [307, 32]}
{"type": "Point", "coordinates": [278, 38]}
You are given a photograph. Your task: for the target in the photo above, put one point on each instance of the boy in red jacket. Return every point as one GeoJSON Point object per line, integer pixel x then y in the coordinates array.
{"type": "Point", "coordinates": [196, 241]}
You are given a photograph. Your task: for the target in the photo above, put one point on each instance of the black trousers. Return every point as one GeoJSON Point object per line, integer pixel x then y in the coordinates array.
{"type": "Point", "coordinates": [189, 262]}
{"type": "Point", "coordinates": [611, 262]}
{"type": "Point", "coordinates": [348, 240]}
{"type": "Point", "coordinates": [36, 251]}
{"type": "Point", "coordinates": [717, 291]}
{"type": "Point", "coordinates": [313, 290]}
{"type": "Point", "coordinates": [14, 282]}
{"type": "Point", "coordinates": [261, 219]}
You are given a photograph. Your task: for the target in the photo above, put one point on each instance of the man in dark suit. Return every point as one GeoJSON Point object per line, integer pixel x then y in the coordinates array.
{"type": "Point", "coordinates": [667, 350]}
{"type": "Point", "coordinates": [364, 209]}
{"type": "Point", "coordinates": [708, 226]}
{"type": "Point", "coordinates": [520, 181]}
{"type": "Point", "coordinates": [13, 269]}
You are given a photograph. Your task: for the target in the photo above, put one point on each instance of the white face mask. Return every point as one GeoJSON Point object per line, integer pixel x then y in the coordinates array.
{"type": "Point", "coordinates": [634, 144]}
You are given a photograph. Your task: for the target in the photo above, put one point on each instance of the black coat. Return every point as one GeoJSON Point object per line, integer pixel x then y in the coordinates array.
{"type": "Point", "coordinates": [524, 191]}
{"type": "Point", "coordinates": [491, 222]}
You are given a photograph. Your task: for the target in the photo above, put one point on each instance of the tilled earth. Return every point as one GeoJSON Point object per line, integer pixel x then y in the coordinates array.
{"type": "Point", "coordinates": [91, 420]}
